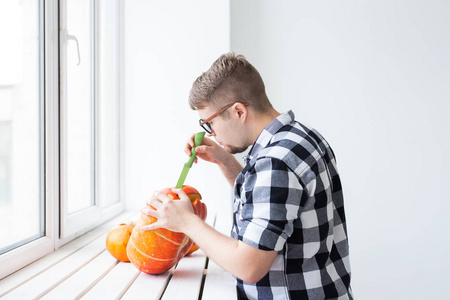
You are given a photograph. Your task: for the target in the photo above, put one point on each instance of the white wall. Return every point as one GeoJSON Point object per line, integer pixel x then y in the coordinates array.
{"type": "Point", "coordinates": [167, 45]}
{"type": "Point", "coordinates": [374, 78]}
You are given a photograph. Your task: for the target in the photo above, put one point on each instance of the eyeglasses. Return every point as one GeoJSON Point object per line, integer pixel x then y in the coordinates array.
{"type": "Point", "coordinates": [205, 123]}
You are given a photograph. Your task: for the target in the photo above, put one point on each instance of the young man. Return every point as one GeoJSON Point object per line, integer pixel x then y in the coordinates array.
{"type": "Point", "coordinates": [289, 236]}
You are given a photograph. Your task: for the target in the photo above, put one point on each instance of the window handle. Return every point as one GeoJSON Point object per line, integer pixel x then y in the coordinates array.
{"type": "Point", "coordinates": [74, 38]}
{"type": "Point", "coordinates": [65, 36]}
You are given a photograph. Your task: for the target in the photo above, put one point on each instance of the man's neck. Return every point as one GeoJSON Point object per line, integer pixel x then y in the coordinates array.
{"type": "Point", "coordinates": [261, 121]}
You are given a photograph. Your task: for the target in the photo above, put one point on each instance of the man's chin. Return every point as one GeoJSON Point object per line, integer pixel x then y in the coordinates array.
{"type": "Point", "coordinates": [234, 150]}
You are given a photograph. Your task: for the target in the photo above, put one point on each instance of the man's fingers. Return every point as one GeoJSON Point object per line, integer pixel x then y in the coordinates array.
{"type": "Point", "coordinates": [179, 192]}
{"type": "Point", "coordinates": [189, 145]}
{"type": "Point", "coordinates": [155, 203]}
{"type": "Point", "coordinates": [187, 150]}
{"type": "Point", "coordinates": [153, 198]}
{"type": "Point", "coordinates": [150, 212]}
{"type": "Point", "coordinates": [158, 196]}
{"type": "Point", "coordinates": [150, 227]}
{"type": "Point", "coordinates": [191, 140]}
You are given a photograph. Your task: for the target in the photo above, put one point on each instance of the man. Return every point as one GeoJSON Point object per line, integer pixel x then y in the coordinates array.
{"type": "Point", "coordinates": [289, 236]}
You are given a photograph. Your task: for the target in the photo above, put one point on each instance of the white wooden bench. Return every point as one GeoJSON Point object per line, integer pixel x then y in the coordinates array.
{"type": "Point", "coordinates": [84, 269]}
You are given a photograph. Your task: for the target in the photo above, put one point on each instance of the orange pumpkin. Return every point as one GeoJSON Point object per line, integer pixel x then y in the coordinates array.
{"type": "Point", "coordinates": [202, 215]}
{"type": "Point", "coordinates": [117, 240]}
{"type": "Point", "coordinates": [156, 251]}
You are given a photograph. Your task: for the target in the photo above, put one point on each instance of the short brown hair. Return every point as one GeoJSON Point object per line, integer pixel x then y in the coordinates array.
{"type": "Point", "coordinates": [230, 78]}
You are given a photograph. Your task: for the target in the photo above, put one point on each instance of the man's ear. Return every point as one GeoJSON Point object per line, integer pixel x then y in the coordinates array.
{"type": "Point", "coordinates": [241, 110]}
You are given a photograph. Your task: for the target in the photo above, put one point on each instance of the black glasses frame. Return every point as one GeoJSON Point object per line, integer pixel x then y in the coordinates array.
{"type": "Point", "coordinates": [205, 123]}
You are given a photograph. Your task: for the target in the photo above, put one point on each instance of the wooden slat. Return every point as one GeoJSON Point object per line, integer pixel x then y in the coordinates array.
{"type": "Point", "coordinates": [16, 279]}
{"type": "Point", "coordinates": [148, 286]}
{"type": "Point", "coordinates": [219, 284]}
{"type": "Point", "coordinates": [187, 278]}
{"type": "Point", "coordinates": [45, 281]}
{"type": "Point", "coordinates": [83, 280]}
{"type": "Point", "coordinates": [223, 223]}
{"type": "Point", "coordinates": [115, 283]}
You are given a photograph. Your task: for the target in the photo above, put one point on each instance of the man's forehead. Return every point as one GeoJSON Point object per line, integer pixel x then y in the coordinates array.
{"type": "Point", "coordinates": [205, 112]}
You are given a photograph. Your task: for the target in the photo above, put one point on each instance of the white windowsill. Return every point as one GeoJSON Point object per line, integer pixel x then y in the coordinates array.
{"type": "Point", "coordinates": [83, 268]}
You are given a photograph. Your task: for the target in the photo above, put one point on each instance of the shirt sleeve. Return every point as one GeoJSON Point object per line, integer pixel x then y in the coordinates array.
{"type": "Point", "coordinates": [270, 205]}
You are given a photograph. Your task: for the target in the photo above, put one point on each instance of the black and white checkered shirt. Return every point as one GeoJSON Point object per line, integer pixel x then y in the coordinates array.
{"type": "Point", "coordinates": [288, 198]}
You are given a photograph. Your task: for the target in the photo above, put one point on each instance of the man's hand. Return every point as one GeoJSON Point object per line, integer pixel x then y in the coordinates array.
{"type": "Point", "coordinates": [208, 150]}
{"type": "Point", "coordinates": [173, 215]}
{"type": "Point", "coordinates": [213, 152]}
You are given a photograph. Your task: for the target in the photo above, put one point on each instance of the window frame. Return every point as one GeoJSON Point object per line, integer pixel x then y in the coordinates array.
{"type": "Point", "coordinates": [74, 224]}
{"type": "Point", "coordinates": [29, 252]}
{"type": "Point", "coordinates": [51, 195]}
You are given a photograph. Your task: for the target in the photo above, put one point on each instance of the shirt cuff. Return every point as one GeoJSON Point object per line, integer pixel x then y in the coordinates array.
{"type": "Point", "coordinates": [261, 236]}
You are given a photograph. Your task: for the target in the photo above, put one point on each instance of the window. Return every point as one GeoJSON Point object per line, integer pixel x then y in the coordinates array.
{"type": "Point", "coordinates": [59, 123]}
{"type": "Point", "coordinates": [21, 124]}
{"type": "Point", "coordinates": [90, 116]}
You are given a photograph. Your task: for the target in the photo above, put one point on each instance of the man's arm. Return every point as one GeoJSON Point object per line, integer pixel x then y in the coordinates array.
{"type": "Point", "coordinates": [230, 168]}
{"type": "Point", "coordinates": [243, 261]}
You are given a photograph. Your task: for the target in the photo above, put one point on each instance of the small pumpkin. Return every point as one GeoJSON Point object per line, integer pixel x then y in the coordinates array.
{"type": "Point", "coordinates": [117, 240]}
{"type": "Point", "coordinates": [156, 251]}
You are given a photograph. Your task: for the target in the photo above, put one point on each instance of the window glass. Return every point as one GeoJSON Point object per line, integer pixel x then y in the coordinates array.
{"type": "Point", "coordinates": [90, 93]}
{"type": "Point", "coordinates": [21, 133]}
{"type": "Point", "coordinates": [80, 105]}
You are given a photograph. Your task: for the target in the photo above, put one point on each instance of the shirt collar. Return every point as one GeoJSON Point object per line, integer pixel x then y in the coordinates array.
{"type": "Point", "coordinates": [268, 132]}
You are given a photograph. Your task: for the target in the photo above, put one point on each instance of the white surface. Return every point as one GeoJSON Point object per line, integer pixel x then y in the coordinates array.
{"type": "Point", "coordinates": [68, 255]}
{"type": "Point", "coordinates": [84, 279]}
{"type": "Point", "coordinates": [187, 277]}
{"type": "Point", "coordinates": [84, 269]}
{"type": "Point", "coordinates": [373, 78]}
{"type": "Point", "coordinates": [168, 44]}
{"type": "Point", "coordinates": [148, 286]}
{"type": "Point", "coordinates": [35, 288]}
{"type": "Point", "coordinates": [115, 283]}
{"type": "Point", "coordinates": [34, 269]}
{"type": "Point", "coordinates": [218, 284]}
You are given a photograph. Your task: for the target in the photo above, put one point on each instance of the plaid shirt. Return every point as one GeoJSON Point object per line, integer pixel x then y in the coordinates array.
{"type": "Point", "coordinates": [288, 198]}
